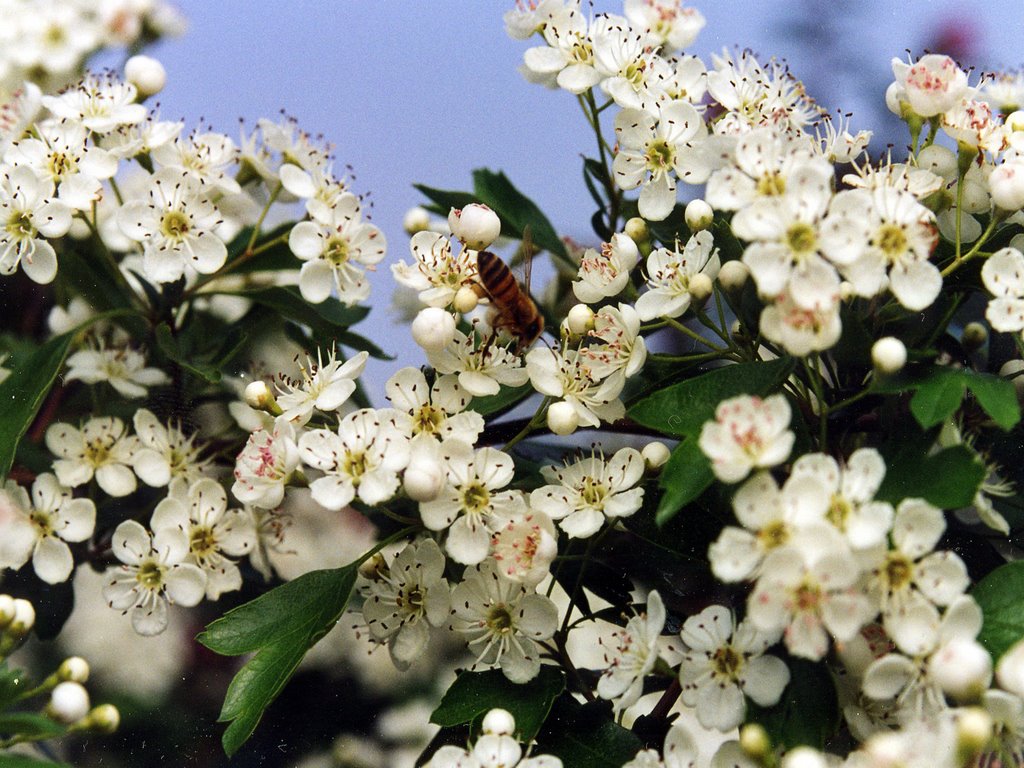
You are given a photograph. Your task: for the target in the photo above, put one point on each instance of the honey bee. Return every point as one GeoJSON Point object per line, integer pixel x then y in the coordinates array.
{"type": "Point", "coordinates": [516, 312]}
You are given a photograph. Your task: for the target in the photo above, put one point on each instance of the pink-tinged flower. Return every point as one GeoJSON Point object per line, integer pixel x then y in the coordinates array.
{"type": "Point", "coordinates": [932, 85]}
{"type": "Point", "coordinates": [264, 466]}
{"type": "Point", "coordinates": [605, 272]}
{"type": "Point", "coordinates": [525, 547]}
{"type": "Point", "coordinates": [631, 655]}
{"type": "Point", "coordinates": [747, 433]}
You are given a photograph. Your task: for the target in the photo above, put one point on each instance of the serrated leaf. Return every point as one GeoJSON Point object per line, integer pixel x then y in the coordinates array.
{"type": "Point", "coordinates": [806, 713]}
{"type": "Point", "coordinates": [506, 399]}
{"type": "Point", "coordinates": [997, 397]}
{"type": "Point", "coordinates": [586, 735]}
{"type": "Point", "coordinates": [476, 693]}
{"type": "Point", "coordinates": [327, 320]}
{"type": "Point", "coordinates": [936, 399]}
{"type": "Point", "coordinates": [168, 344]}
{"type": "Point", "coordinates": [685, 476]}
{"type": "Point", "coordinates": [445, 199]}
{"type": "Point", "coordinates": [280, 627]}
{"type": "Point", "coordinates": [949, 479]}
{"type": "Point", "coordinates": [680, 410]}
{"type": "Point", "coordinates": [939, 391]}
{"type": "Point", "coordinates": [30, 725]}
{"type": "Point", "coordinates": [1001, 597]}
{"type": "Point", "coordinates": [516, 211]}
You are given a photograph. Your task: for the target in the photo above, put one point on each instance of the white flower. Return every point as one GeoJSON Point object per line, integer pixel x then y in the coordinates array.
{"type": "Point", "coordinates": [337, 247]}
{"type": "Point", "coordinates": [723, 663]}
{"type": "Point", "coordinates": [621, 346]}
{"type": "Point", "coordinates": [202, 156]}
{"type": "Point", "coordinates": [405, 599]}
{"type": "Point", "coordinates": [101, 103]}
{"type": "Point", "coordinates": [165, 452]}
{"type": "Point", "coordinates": [482, 369]}
{"type": "Point", "coordinates": [471, 506]}
{"type": "Point", "coordinates": [631, 654]}
{"type": "Point", "coordinates": [568, 56]}
{"type": "Point", "coordinates": [633, 72]}
{"type": "Point", "coordinates": [438, 411]}
{"type": "Point", "coordinates": [502, 620]}
{"type": "Point", "coordinates": [27, 215]}
{"type": "Point", "coordinates": [1003, 276]}
{"type": "Point", "coordinates": [495, 748]}
{"type": "Point", "coordinates": [265, 465]}
{"type": "Point", "coordinates": [214, 532]}
{"type": "Point", "coordinates": [175, 223]}
{"type": "Point", "coordinates": [680, 751]}
{"type": "Point", "coordinates": [605, 272]}
{"type": "Point", "coordinates": [363, 458]}
{"type": "Point", "coordinates": [667, 23]}
{"type": "Point", "coordinates": [799, 330]}
{"type": "Point", "coordinates": [669, 273]}
{"type": "Point", "coordinates": [524, 548]}
{"type": "Point", "coordinates": [323, 387]}
{"type": "Point", "coordinates": [527, 19]}
{"type": "Point", "coordinates": [123, 368]}
{"type": "Point", "coordinates": [747, 433]}
{"type": "Point", "coordinates": [833, 140]}
{"type": "Point", "coordinates": [101, 448]}
{"type": "Point", "coordinates": [582, 495]}
{"type": "Point", "coordinates": [151, 575]}
{"type": "Point", "coordinates": [1006, 182]}
{"type": "Point", "coordinates": [476, 225]}
{"type": "Point", "coordinates": [437, 273]}
{"type": "Point", "coordinates": [932, 85]}
{"type": "Point", "coordinates": [970, 123]}
{"type": "Point", "coordinates": [567, 376]}
{"type": "Point", "coordinates": [38, 526]}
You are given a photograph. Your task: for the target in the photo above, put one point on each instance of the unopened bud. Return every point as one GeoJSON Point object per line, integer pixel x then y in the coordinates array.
{"type": "Point", "coordinates": [962, 668]}
{"type": "Point", "coordinates": [973, 732]}
{"type": "Point", "coordinates": [24, 618]}
{"type": "Point", "coordinates": [499, 722]}
{"type": "Point", "coordinates": [433, 328]}
{"type": "Point", "coordinates": [465, 300]}
{"type": "Point", "coordinates": [476, 225]}
{"type": "Point", "coordinates": [889, 355]}
{"type": "Point", "coordinates": [6, 610]}
{"type": "Point", "coordinates": [1006, 185]}
{"type": "Point", "coordinates": [104, 719]}
{"type": "Point", "coordinates": [754, 741]}
{"type": "Point", "coordinates": [733, 275]}
{"type": "Point", "coordinates": [416, 219]}
{"type": "Point", "coordinates": [258, 395]}
{"type": "Point", "coordinates": [655, 454]}
{"type": "Point", "coordinates": [580, 319]}
{"type": "Point", "coordinates": [939, 160]}
{"type": "Point", "coordinates": [424, 478]}
{"type": "Point", "coordinates": [700, 287]}
{"type": "Point", "coordinates": [1014, 371]}
{"type": "Point", "coordinates": [974, 336]}
{"type": "Point", "coordinates": [803, 757]}
{"type": "Point", "coordinates": [69, 702]}
{"type": "Point", "coordinates": [1015, 121]}
{"type": "Point", "coordinates": [846, 291]}
{"type": "Point", "coordinates": [74, 669]}
{"type": "Point", "coordinates": [699, 215]}
{"type": "Point", "coordinates": [147, 75]}
{"type": "Point", "coordinates": [562, 418]}
{"type": "Point", "coordinates": [636, 229]}
{"type": "Point", "coordinates": [1010, 670]}
{"type": "Point", "coordinates": [374, 567]}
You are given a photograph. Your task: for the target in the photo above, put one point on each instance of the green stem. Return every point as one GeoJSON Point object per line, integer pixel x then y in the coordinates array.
{"type": "Point", "coordinates": [694, 335]}
{"type": "Point", "coordinates": [536, 421]}
{"type": "Point", "coordinates": [263, 215]}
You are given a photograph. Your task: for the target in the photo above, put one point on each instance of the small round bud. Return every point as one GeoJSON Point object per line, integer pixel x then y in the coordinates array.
{"type": "Point", "coordinates": [1014, 371]}
{"type": "Point", "coordinates": [974, 336]}
{"type": "Point", "coordinates": [374, 567]}
{"type": "Point", "coordinates": [754, 741]}
{"type": "Point", "coordinates": [105, 718]}
{"type": "Point", "coordinates": [655, 454]}
{"type": "Point", "coordinates": [733, 275]}
{"type": "Point", "coordinates": [1015, 121]}
{"type": "Point", "coordinates": [580, 319]}
{"type": "Point", "coordinates": [562, 418]}
{"type": "Point", "coordinates": [700, 287]}
{"type": "Point", "coordinates": [416, 219]}
{"type": "Point", "coordinates": [847, 291]}
{"type": "Point", "coordinates": [803, 757]}
{"type": "Point", "coordinates": [147, 75]}
{"type": "Point", "coordinates": [69, 702]}
{"type": "Point", "coordinates": [1006, 185]}
{"type": "Point", "coordinates": [894, 95]}
{"type": "Point", "coordinates": [258, 395]}
{"type": "Point", "coordinates": [637, 230]}
{"type": "Point", "coordinates": [465, 300]}
{"type": "Point", "coordinates": [499, 722]}
{"type": "Point", "coordinates": [1010, 669]}
{"type": "Point", "coordinates": [699, 215]}
{"type": "Point", "coordinates": [433, 329]}
{"type": "Point", "coordinates": [889, 355]}
{"type": "Point", "coordinates": [476, 225]}
{"type": "Point", "coordinates": [74, 668]}
{"type": "Point", "coordinates": [24, 618]}
{"type": "Point", "coordinates": [939, 160]}
{"type": "Point", "coordinates": [6, 610]}
{"type": "Point", "coordinates": [962, 668]}
{"type": "Point", "coordinates": [973, 730]}
{"type": "Point", "coordinates": [424, 478]}
{"type": "Point", "coordinates": [975, 198]}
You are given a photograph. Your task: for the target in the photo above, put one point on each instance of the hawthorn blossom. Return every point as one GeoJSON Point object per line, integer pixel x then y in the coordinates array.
{"type": "Point", "coordinates": [101, 103]}
{"type": "Point", "coordinates": [165, 452]}
{"type": "Point", "coordinates": [152, 574]}
{"type": "Point", "coordinates": [471, 506]}
{"type": "Point", "coordinates": [337, 248]}
{"type": "Point", "coordinates": [567, 376]}
{"type": "Point", "coordinates": [747, 433]}
{"type": "Point", "coordinates": [567, 58]}
{"type": "Point", "coordinates": [362, 458]}
{"type": "Point", "coordinates": [620, 346]}
{"type": "Point", "coordinates": [265, 465]}
{"type": "Point", "coordinates": [633, 73]}
{"type": "Point", "coordinates": [101, 448]}
{"type": "Point", "coordinates": [724, 663]}
{"type": "Point", "coordinates": [39, 526]}
{"type": "Point", "coordinates": [799, 330]}
{"type": "Point", "coordinates": [630, 655]}
{"type": "Point", "coordinates": [605, 272]}
{"type": "Point", "coordinates": [205, 157]}
{"type": "Point", "coordinates": [436, 273]}
{"type": "Point", "coordinates": [931, 85]}
{"type": "Point", "coordinates": [494, 748]}
{"type": "Point", "coordinates": [175, 221]}
{"type": "Point", "coordinates": [679, 751]}
{"type": "Point", "coordinates": [669, 273]}
{"type": "Point", "coordinates": [586, 493]}
{"type": "Point", "coordinates": [438, 411]}
{"type": "Point", "coordinates": [406, 598]}
{"type": "Point", "coordinates": [324, 387]}
{"type": "Point", "coordinates": [524, 548]}
{"type": "Point", "coordinates": [482, 368]}
{"type": "Point", "coordinates": [666, 23]}
{"type": "Point", "coordinates": [28, 213]}
{"type": "Point", "coordinates": [502, 620]}
{"type": "Point", "coordinates": [1003, 276]}
{"type": "Point", "coordinates": [123, 368]}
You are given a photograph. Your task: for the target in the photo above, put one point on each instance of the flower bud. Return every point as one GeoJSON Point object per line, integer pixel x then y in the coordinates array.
{"type": "Point", "coordinates": [1014, 371]}
{"type": "Point", "coordinates": [889, 355]}
{"type": "Point", "coordinates": [74, 669]}
{"type": "Point", "coordinates": [104, 719]}
{"type": "Point", "coordinates": [374, 567]}
{"type": "Point", "coordinates": [754, 741]}
{"type": "Point", "coordinates": [580, 319]}
{"type": "Point", "coordinates": [962, 668]}
{"type": "Point", "coordinates": [499, 722]}
{"type": "Point", "coordinates": [465, 300]}
{"type": "Point", "coordinates": [476, 225]}
{"type": "Point", "coordinates": [433, 329]}
{"type": "Point", "coordinates": [655, 454]}
{"type": "Point", "coordinates": [700, 287]}
{"type": "Point", "coordinates": [1006, 184]}
{"type": "Point", "coordinates": [6, 610]}
{"type": "Point", "coordinates": [1015, 121]}
{"type": "Point", "coordinates": [562, 418]}
{"type": "Point", "coordinates": [974, 336]}
{"type": "Point", "coordinates": [698, 215]}
{"type": "Point", "coordinates": [939, 160]}
{"type": "Point", "coordinates": [636, 229]}
{"type": "Point", "coordinates": [803, 757]}
{"type": "Point", "coordinates": [416, 219]}
{"type": "Point", "coordinates": [733, 275]}
{"type": "Point", "coordinates": [1010, 670]}
{"type": "Point", "coordinates": [846, 291]}
{"type": "Point", "coordinates": [258, 395]}
{"type": "Point", "coordinates": [69, 702]}
{"type": "Point", "coordinates": [24, 619]}
{"type": "Point", "coordinates": [424, 478]}
{"type": "Point", "coordinates": [973, 731]}
{"type": "Point", "coordinates": [147, 75]}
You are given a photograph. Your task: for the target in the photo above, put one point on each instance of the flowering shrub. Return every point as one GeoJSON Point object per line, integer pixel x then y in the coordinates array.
{"type": "Point", "coordinates": [739, 490]}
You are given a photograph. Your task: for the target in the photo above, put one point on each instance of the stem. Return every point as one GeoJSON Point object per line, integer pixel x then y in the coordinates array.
{"type": "Point", "coordinates": [694, 335]}
{"type": "Point", "coordinates": [538, 417]}
{"type": "Point", "coordinates": [263, 215]}
{"type": "Point", "coordinates": [108, 257]}
{"type": "Point", "coordinates": [814, 376]}
{"type": "Point", "coordinates": [245, 256]}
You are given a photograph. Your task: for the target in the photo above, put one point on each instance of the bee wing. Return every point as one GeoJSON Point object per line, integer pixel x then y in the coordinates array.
{"type": "Point", "coordinates": [528, 251]}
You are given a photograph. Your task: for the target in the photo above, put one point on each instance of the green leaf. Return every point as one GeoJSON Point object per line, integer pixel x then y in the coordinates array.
{"type": "Point", "coordinates": [363, 344]}
{"type": "Point", "coordinates": [680, 410]}
{"type": "Point", "coordinates": [280, 627]}
{"type": "Point", "coordinates": [937, 399]}
{"type": "Point", "coordinates": [516, 211]}
{"type": "Point", "coordinates": [940, 390]}
{"type": "Point", "coordinates": [168, 344]}
{"type": "Point", "coordinates": [997, 397]}
{"type": "Point", "coordinates": [275, 258]}
{"type": "Point", "coordinates": [446, 199]}
{"type": "Point", "coordinates": [1001, 597]}
{"type": "Point", "coordinates": [12, 683]}
{"type": "Point", "coordinates": [327, 320]}
{"type": "Point", "coordinates": [506, 399]}
{"type": "Point", "coordinates": [586, 735]}
{"type": "Point", "coordinates": [30, 725]}
{"type": "Point", "coordinates": [948, 479]}
{"type": "Point", "coordinates": [685, 477]}
{"type": "Point", "coordinates": [23, 392]}
{"type": "Point", "coordinates": [806, 713]}
{"type": "Point", "coordinates": [475, 693]}
{"type": "Point", "coordinates": [24, 761]}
